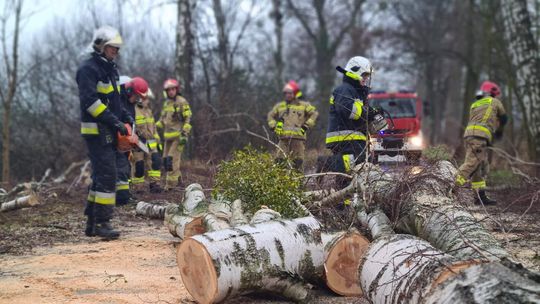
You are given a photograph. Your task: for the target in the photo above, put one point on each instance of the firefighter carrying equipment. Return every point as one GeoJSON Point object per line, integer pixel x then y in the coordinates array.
{"type": "Point", "coordinates": [126, 142]}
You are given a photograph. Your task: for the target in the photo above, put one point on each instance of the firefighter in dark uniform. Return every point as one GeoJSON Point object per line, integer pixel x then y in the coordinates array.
{"type": "Point", "coordinates": [348, 118]}
{"type": "Point", "coordinates": [101, 113]}
{"type": "Point", "coordinates": [123, 167]}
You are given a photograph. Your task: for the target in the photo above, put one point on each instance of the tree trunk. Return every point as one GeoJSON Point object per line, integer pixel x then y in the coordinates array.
{"type": "Point", "coordinates": [20, 202]}
{"type": "Point", "coordinates": [523, 50]}
{"type": "Point", "coordinates": [276, 256]}
{"type": "Point", "coordinates": [183, 225]}
{"type": "Point", "coordinates": [185, 47]}
{"type": "Point", "coordinates": [425, 209]}
{"type": "Point", "coordinates": [277, 16]}
{"type": "Point", "coordinates": [11, 73]}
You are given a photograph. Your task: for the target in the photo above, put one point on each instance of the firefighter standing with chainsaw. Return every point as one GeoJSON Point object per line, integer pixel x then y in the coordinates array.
{"type": "Point", "coordinates": [350, 117]}
{"type": "Point", "coordinates": [290, 119]}
{"type": "Point", "coordinates": [175, 121]}
{"type": "Point", "coordinates": [101, 112]}
{"type": "Point", "coordinates": [149, 163]}
{"type": "Point", "coordinates": [487, 119]}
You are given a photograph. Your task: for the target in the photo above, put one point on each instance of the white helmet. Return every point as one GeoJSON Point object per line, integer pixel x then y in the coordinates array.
{"type": "Point", "coordinates": [106, 35]}
{"type": "Point", "coordinates": [124, 79]}
{"type": "Point", "coordinates": [356, 66]}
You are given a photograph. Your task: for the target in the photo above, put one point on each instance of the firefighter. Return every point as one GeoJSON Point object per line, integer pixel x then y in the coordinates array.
{"type": "Point", "coordinates": [145, 127]}
{"type": "Point", "coordinates": [123, 168]}
{"type": "Point", "coordinates": [175, 121]}
{"type": "Point", "coordinates": [487, 119]}
{"type": "Point", "coordinates": [348, 118]}
{"type": "Point", "coordinates": [101, 111]}
{"type": "Point", "coordinates": [291, 119]}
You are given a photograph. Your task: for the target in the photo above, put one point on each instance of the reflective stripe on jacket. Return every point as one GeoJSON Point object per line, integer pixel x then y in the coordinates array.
{"type": "Point", "coordinates": [175, 118]}
{"type": "Point", "coordinates": [146, 126]}
{"type": "Point", "coordinates": [484, 118]}
{"type": "Point", "coordinates": [290, 117]}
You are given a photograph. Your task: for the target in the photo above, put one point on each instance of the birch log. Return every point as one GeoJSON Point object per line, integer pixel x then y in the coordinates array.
{"type": "Point", "coordinates": [429, 211]}
{"type": "Point", "coordinates": [276, 256]}
{"type": "Point", "coordinates": [20, 202]}
{"type": "Point", "coordinates": [151, 210]}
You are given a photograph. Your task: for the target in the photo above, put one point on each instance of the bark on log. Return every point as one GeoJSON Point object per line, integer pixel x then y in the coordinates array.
{"type": "Point", "coordinates": [429, 211]}
{"type": "Point", "coordinates": [151, 210]}
{"type": "Point", "coordinates": [20, 202]}
{"type": "Point", "coordinates": [182, 225]}
{"type": "Point", "coordinates": [274, 256]}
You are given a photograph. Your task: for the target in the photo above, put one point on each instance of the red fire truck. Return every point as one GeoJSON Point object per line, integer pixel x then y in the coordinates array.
{"type": "Point", "coordinates": [403, 112]}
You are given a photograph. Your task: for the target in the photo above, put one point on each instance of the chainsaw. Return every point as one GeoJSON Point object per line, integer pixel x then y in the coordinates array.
{"type": "Point", "coordinates": [131, 140]}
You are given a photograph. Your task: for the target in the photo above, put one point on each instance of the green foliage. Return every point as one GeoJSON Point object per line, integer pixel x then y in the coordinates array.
{"type": "Point", "coordinates": [257, 180]}
{"type": "Point", "coordinates": [503, 177]}
{"type": "Point", "coordinates": [436, 153]}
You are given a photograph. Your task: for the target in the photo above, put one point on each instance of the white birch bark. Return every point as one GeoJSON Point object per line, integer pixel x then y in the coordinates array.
{"type": "Point", "coordinates": [20, 202]}
{"type": "Point", "coordinates": [150, 210]}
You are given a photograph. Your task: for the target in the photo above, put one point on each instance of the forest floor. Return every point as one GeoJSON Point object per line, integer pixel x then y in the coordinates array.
{"type": "Point", "coordinates": [45, 257]}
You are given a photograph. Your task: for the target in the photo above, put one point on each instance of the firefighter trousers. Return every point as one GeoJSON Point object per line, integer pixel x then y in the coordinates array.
{"type": "Point", "coordinates": [101, 195]}
{"type": "Point", "coordinates": [476, 165]}
{"type": "Point", "coordinates": [123, 171]}
{"type": "Point", "coordinates": [172, 153]}
{"type": "Point", "coordinates": [345, 156]}
{"type": "Point", "coordinates": [146, 165]}
{"type": "Point", "coordinates": [293, 149]}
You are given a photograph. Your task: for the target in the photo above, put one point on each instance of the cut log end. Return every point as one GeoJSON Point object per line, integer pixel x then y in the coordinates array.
{"type": "Point", "coordinates": [453, 270]}
{"type": "Point", "coordinates": [194, 227]}
{"type": "Point", "coordinates": [197, 271]}
{"type": "Point", "coordinates": [342, 263]}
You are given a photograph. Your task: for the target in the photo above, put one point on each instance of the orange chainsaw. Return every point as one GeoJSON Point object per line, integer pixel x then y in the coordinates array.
{"type": "Point", "coordinates": [131, 140]}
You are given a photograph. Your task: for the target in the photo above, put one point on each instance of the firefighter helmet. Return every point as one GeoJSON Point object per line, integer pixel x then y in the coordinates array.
{"type": "Point", "coordinates": [137, 86]}
{"type": "Point", "coordinates": [171, 83]}
{"type": "Point", "coordinates": [357, 67]}
{"type": "Point", "coordinates": [106, 35]}
{"type": "Point", "coordinates": [489, 88]}
{"type": "Point", "coordinates": [293, 86]}
{"type": "Point", "coordinates": [124, 79]}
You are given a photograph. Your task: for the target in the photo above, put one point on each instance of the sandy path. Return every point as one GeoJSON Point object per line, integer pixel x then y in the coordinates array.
{"type": "Point", "coordinates": [138, 268]}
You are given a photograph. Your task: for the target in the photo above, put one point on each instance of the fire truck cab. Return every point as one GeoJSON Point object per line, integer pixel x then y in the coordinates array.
{"type": "Point", "coordinates": [403, 112]}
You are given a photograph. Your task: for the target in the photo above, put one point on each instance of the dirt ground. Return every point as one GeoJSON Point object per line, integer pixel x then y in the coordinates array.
{"type": "Point", "coordinates": [45, 258]}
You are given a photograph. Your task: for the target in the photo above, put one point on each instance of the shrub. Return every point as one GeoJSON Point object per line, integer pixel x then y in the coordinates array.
{"type": "Point", "coordinates": [257, 180]}
{"type": "Point", "coordinates": [436, 153]}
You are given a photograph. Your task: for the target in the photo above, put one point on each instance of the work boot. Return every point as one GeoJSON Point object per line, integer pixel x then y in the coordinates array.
{"type": "Point", "coordinates": [482, 198]}
{"type": "Point", "coordinates": [90, 226]}
{"type": "Point", "coordinates": [106, 231]}
{"type": "Point", "coordinates": [155, 188]}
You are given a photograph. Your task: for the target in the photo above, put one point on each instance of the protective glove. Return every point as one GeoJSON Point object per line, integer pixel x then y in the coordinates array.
{"type": "Point", "coordinates": [279, 128]}
{"type": "Point", "coordinates": [182, 140]}
{"type": "Point", "coordinates": [121, 128]}
{"type": "Point", "coordinates": [303, 129]}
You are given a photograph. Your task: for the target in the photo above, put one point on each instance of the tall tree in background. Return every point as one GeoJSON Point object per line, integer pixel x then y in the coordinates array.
{"type": "Point", "coordinates": [185, 46]}
{"type": "Point", "coordinates": [11, 68]}
{"type": "Point", "coordinates": [277, 17]}
{"type": "Point", "coordinates": [523, 50]}
{"type": "Point", "coordinates": [325, 42]}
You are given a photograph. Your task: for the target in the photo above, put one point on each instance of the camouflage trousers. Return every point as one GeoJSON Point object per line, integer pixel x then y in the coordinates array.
{"type": "Point", "coordinates": [476, 165]}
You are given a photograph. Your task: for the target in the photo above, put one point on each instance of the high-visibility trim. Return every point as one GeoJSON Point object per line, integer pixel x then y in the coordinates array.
{"type": "Point", "coordinates": [298, 94]}
{"type": "Point", "coordinates": [272, 123]}
{"type": "Point", "coordinates": [173, 134]}
{"type": "Point", "coordinates": [332, 99]}
{"type": "Point", "coordinates": [169, 109]}
{"type": "Point", "coordinates": [460, 180]}
{"type": "Point", "coordinates": [159, 124]}
{"type": "Point", "coordinates": [156, 136]}
{"type": "Point", "coordinates": [482, 102]}
{"type": "Point", "coordinates": [137, 180]}
{"type": "Point", "coordinates": [96, 108]}
{"type": "Point", "coordinates": [89, 128]}
{"type": "Point", "coordinates": [339, 136]}
{"type": "Point", "coordinates": [140, 120]}
{"type": "Point", "coordinates": [186, 112]}
{"type": "Point", "coordinates": [310, 108]}
{"type": "Point", "coordinates": [151, 143]}
{"type": "Point", "coordinates": [105, 198]}
{"type": "Point", "coordinates": [122, 186]}
{"type": "Point", "coordinates": [91, 196]}
{"type": "Point", "coordinates": [480, 128]}
{"type": "Point", "coordinates": [106, 88]}
{"type": "Point", "coordinates": [310, 122]}
{"type": "Point", "coordinates": [154, 173]}
{"type": "Point", "coordinates": [292, 107]}
{"type": "Point", "coordinates": [187, 127]}
{"type": "Point", "coordinates": [150, 120]}
{"type": "Point", "coordinates": [292, 131]}
{"type": "Point", "coordinates": [353, 75]}
{"type": "Point", "coordinates": [347, 202]}
{"type": "Point", "coordinates": [487, 114]}
{"type": "Point", "coordinates": [356, 111]}
{"type": "Point", "coordinates": [478, 185]}
{"type": "Point", "coordinates": [347, 161]}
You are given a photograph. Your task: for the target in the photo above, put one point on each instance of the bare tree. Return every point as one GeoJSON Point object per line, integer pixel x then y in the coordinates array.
{"type": "Point", "coordinates": [523, 51]}
{"type": "Point", "coordinates": [11, 69]}
{"type": "Point", "coordinates": [277, 16]}
{"type": "Point", "coordinates": [185, 45]}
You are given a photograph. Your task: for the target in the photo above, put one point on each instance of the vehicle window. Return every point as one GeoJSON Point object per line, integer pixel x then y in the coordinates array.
{"type": "Point", "coordinates": [396, 107]}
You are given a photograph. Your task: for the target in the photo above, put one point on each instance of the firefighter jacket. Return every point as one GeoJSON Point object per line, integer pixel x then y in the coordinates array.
{"type": "Point", "coordinates": [347, 119]}
{"type": "Point", "coordinates": [292, 119]}
{"type": "Point", "coordinates": [175, 118]}
{"type": "Point", "coordinates": [99, 94]}
{"type": "Point", "coordinates": [487, 115]}
{"type": "Point", "coordinates": [146, 126]}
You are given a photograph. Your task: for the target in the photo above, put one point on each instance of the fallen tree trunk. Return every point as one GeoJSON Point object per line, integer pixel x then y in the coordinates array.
{"type": "Point", "coordinates": [20, 202]}
{"type": "Point", "coordinates": [276, 256]}
{"type": "Point", "coordinates": [425, 207]}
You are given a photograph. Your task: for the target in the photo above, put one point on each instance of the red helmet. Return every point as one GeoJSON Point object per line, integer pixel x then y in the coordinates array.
{"type": "Point", "coordinates": [293, 86]}
{"type": "Point", "coordinates": [490, 88]}
{"type": "Point", "coordinates": [171, 83]}
{"type": "Point", "coordinates": [138, 86]}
